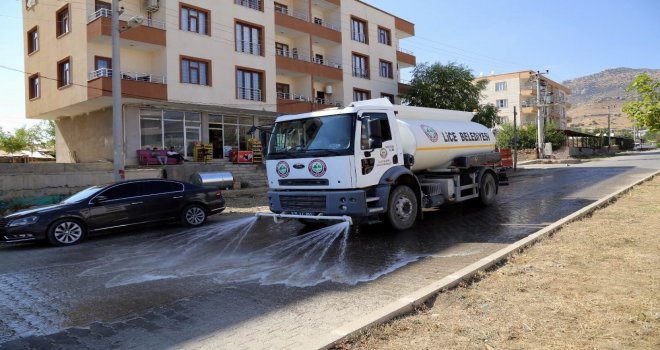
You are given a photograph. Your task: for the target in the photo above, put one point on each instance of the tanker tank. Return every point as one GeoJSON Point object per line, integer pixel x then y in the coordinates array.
{"type": "Point", "coordinates": [436, 136]}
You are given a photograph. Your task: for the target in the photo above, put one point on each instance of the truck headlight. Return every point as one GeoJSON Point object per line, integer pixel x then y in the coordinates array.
{"type": "Point", "coordinates": [23, 221]}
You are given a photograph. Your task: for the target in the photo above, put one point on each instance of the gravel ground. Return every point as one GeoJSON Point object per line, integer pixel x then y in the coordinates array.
{"type": "Point", "coordinates": [593, 284]}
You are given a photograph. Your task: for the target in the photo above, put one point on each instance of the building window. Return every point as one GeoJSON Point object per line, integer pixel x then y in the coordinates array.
{"type": "Point", "coordinates": [195, 71]}
{"type": "Point", "coordinates": [361, 95]}
{"type": "Point", "coordinates": [281, 8]}
{"type": "Point", "coordinates": [33, 40]}
{"type": "Point", "coordinates": [249, 85]}
{"type": "Point", "coordinates": [502, 103]}
{"type": "Point", "coordinates": [385, 69]}
{"type": "Point", "coordinates": [388, 96]}
{"type": "Point", "coordinates": [360, 66]}
{"type": "Point", "coordinates": [248, 39]}
{"type": "Point", "coordinates": [283, 91]}
{"type": "Point", "coordinates": [384, 36]}
{"type": "Point", "coordinates": [166, 128]}
{"type": "Point", "coordinates": [34, 89]}
{"type": "Point", "coordinates": [359, 30]}
{"type": "Point", "coordinates": [102, 5]}
{"type": "Point", "coordinates": [102, 62]}
{"type": "Point", "coordinates": [62, 20]}
{"type": "Point", "coordinates": [195, 19]}
{"type": "Point", "coordinates": [501, 86]}
{"type": "Point", "coordinates": [64, 73]}
{"type": "Point", "coordinates": [282, 49]}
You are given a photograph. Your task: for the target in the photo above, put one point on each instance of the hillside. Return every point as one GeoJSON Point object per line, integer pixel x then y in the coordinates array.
{"type": "Point", "coordinates": [591, 94]}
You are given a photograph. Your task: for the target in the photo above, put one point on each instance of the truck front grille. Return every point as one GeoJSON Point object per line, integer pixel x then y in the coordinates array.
{"type": "Point", "coordinates": [304, 182]}
{"type": "Point", "coordinates": [303, 203]}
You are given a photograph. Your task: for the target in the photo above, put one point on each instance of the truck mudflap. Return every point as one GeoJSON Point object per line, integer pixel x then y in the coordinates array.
{"type": "Point", "coordinates": [278, 218]}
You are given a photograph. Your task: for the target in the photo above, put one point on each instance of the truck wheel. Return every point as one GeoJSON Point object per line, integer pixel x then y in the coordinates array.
{"type": "Point", "coordinates": [402, 208]}
{"type": "Point", "coordinates": [65, 232]}
{"type": "Point", "coordinates": [487, 189]}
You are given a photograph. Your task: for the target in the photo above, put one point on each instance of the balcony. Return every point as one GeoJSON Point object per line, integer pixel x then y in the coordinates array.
{"type": "Point", "coordinates": [133, 85]}
{"type": "Point", "coordinates": [300, 22]}
{"type": "Point", "coordinates": [300, 61]}
{"type": "Point", "coordinates": [288, 103]}
{"type": "Point", "coordinates": [405, 58]}
{"type": "Point", "coordinates": [149, 36]}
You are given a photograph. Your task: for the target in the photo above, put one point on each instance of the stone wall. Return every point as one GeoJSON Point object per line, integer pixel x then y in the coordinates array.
{"type": "Point", "coordinates": [23, 185]}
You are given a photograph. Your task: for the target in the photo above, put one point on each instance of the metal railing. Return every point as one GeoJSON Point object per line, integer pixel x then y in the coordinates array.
{"type": "Point", "coordinates": [125, 17]}
{"type": "Point", "coordinates": [253, 4]}
{"type": "Point", "coordinates": [303, 55]}
{"type": "Point", "coordinates": [295, 14]}
{"type": "Point", "coordinates": [248, 47]}
{"type": "Point", "coordinates": [249, 94]}
{"type": "Point", "coordinates": [295, 97]}
{"type": "Point", "coordinates": [398, 48]}
{"type": "Point", "coordinates": [149, 78]}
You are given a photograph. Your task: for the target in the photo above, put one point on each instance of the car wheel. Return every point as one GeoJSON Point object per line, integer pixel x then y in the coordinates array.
{"type": "Point", "coordinates": [65, 232]}
{"type": "Point", "coordinates": [402, 208]}
{"type": "Point", "coordinates": [193, 215]}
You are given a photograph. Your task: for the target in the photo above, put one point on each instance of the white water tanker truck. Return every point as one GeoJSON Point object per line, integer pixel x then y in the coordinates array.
{"type": "Point", "coordinates": [373, 161]}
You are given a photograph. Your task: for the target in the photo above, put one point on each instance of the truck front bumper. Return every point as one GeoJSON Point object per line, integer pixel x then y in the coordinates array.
{"type": "Point", "coordinates": [329, 203]}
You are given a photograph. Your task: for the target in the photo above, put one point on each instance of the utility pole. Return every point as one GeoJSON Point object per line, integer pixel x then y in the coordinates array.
{"type": "Point", "coordinates": [117, 127]}
{"type": "Point", "coordinates": [515, 140]}
{"type": "Point", "coordinates": [609, 130]}
{"type": "Point", "coordinates": [539, 117]}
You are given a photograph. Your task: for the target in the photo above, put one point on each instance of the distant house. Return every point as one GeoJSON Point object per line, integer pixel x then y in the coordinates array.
{"type": "Point", "coordinates": [519, 89]}
{"type": "Point", "coordinates": [26, 157]}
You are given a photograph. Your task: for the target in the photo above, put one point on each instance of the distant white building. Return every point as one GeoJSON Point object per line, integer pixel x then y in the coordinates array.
{"type": "Point", "coordinates": [518, 89]}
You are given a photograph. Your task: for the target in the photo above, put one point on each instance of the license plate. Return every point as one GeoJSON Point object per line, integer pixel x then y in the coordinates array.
{"type": "Point", "coordinates": [303, 213]}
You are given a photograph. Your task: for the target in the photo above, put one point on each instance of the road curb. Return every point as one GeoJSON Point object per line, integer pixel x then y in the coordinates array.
{"type": "Point", "coordinates": [407, 303]}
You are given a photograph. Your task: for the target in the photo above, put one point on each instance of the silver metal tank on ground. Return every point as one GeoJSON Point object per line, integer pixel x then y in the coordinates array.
{"type": "Point", "coordinates": [221, 179]}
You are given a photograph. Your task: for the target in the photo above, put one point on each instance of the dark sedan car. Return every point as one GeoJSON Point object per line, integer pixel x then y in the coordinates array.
{"type": "Point", "coordinates": [121, 204]}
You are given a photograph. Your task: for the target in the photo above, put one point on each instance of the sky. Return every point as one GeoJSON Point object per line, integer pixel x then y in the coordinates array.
{"type": "Point", "coordinates": [567, 37]}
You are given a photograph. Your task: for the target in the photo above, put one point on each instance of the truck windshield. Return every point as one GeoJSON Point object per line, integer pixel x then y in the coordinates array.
{"type": "Point", "coordinates": [320, 136]}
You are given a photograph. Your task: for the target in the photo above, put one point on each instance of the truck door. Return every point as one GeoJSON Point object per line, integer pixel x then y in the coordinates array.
{"type": "Point", "coordinates": [376, 151]}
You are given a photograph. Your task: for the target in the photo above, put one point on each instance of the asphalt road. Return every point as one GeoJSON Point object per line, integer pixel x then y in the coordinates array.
{"type": "Point", "coordinates": [238, 283]}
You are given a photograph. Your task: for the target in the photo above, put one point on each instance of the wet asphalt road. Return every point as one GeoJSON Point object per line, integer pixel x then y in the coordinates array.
{"type": "Point", "coordinates": [237, 283]}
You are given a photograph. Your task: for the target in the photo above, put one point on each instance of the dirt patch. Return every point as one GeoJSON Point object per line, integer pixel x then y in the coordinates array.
{"type": "Point", "coordinates": [593, 284]}
{"type": "Point", "coordinates": [249, 200]}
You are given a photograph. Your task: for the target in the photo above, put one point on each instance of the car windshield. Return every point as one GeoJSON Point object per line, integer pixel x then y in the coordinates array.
{"type": "Point", "coordinates": [329, 134]}
{"type": "Point", "coordinates": [82, 195]}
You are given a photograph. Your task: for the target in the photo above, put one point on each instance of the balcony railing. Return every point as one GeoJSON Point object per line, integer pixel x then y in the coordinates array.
{"type": "Point", "coordinates": [107, 73]}
{"type": "Point", "coordinates": [361, 73]}
{"type": "Point", "coordinates": [294, 97]}
{"type": "Point", "coordinates": [253, 4]}
{"type": "Point", "coordinates": [398, 48]}
{"type": "Point", "coordinates": [249, 94]}
{"type": "Point", "coordinates": [296, 14]}
{"type": "Point", "coordinates": [248, 47]}
{"type": "Point", "coordinates": [306, 56]}
{"type": "Point", "coordinates": [124, 17]}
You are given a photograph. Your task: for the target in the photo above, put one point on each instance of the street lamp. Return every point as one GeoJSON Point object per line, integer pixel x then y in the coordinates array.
{"type": "Point", "coordinates": [117, 128]}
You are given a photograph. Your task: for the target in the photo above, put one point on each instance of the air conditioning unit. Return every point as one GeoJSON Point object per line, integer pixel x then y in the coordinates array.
{"type": "Point", "coordinates": [152, 5]}
{"type": "Point", "coordinates": [328, 89]}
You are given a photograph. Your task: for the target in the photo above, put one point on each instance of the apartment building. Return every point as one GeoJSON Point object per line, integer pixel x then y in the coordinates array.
{"type": "Point", "coordinates": [519, 89]}
{"type": "Point", "coordinates": [201, 70]}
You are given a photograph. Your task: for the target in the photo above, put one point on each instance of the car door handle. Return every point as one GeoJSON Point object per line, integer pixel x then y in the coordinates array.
{"type": "Point", "coordinates": [136, 203]}
{"type": "Point", "coordinates": [177, 197]}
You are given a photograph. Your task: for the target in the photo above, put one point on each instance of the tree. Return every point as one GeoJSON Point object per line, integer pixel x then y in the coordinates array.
{"type": "Point", "coordinates": [487, 115]}
{"type": "Point", "coordinates": [527, 136]}
{"type": "Point", "coordinates": [448, 86]}
{"type": "Point", "coordinates": [12, 143]}
{"type": "Point", "coordinates": [644, 112]}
